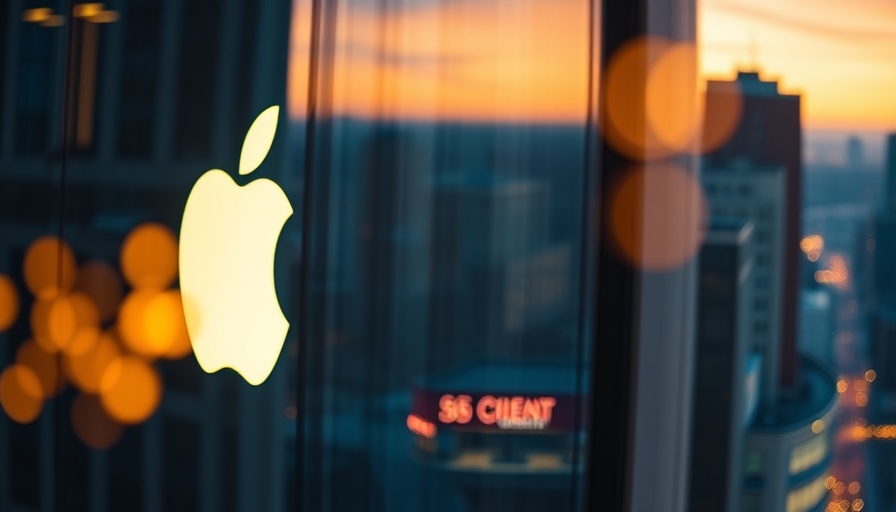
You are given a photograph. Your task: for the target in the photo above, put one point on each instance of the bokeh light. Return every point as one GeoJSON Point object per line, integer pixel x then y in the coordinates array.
{"type": "Point", "coordinates": [40, 324]}
{"type": "Point", "coordinates": [20, 394]}
{"type": "Point", "coordinates": [9, 302]}
{"type": "Point", "coordinates": [86, 370]}
{"type": "Point", "coordinates": [672, 102]}
{"type": "Point", "coordinates": [100, 282]}
{"type": "Point", "coordinates": [149, 257]}
{"type": "Point", "coordinates": [49, 267]}
{"type": "Point", "coordinates": [722, 113]}
{"type": "Point", "coordinates": [165, 325]}
{"type": "Point", "coordinates": [92, 425]}
{"type": "Point", "coordinates": [625, 91]}
{"type": "Point", "coordinates": [45, 366]}
{"type": "Point", "coordinates": [83, 341]}
{"type": "Point", "coordinates": [134, 325]}
{"type": "Point", "coordinates": [657, 217]}
{"type": "Point", "coordinates": [131, 390]}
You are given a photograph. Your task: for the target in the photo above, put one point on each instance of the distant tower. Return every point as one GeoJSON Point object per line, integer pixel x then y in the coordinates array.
{"type": "Point", "coordinates": [855, 157]}
{"type": "Point", "coordinates": [768, 134]}
{"type": "Point", "coordinates": [890, 173]}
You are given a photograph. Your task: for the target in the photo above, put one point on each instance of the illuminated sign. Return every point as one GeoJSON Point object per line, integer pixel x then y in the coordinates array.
{"type": "Point", "coordinates": [515, 412]}
{"type": "Point", "coordinates": [419, 426]}
{"type": "Point", "coordinates": [227, 243]}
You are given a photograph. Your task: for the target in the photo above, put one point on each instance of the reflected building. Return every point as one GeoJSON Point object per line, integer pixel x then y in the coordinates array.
{"type": "Point", "coordinates": [158, 93]}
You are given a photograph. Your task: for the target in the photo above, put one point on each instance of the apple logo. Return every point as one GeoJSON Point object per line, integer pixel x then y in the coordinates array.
{"type": "Point", "coordinates": [228, 238]}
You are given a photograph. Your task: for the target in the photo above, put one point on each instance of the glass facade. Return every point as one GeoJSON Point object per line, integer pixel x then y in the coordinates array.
{"type": "Point", "coordinates": [444, 255]}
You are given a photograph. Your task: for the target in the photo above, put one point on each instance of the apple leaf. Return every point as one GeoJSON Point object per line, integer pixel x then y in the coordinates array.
{"type": "Point", "coordinates": [259, 139]}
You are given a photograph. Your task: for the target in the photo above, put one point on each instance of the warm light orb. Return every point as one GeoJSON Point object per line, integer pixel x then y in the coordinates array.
{"type": "Point", "coordinates": [20, 394]}
{"type": "Point", "coordinates": [657, 217]}
{"type": "Point", "coordinates": [132, 390]}
{"type": "Point", "coordinates": [9, 302]}
{"type": "Point", "coordinates": [149, 257]}
{"type": "Point", "coordinates": [818, 426]}
{"type": "Point", "coordinates": [671, 98]}
{"type": "Point", "coordinates": [100, 282]}
{"type": "Point", "coordinates": [870, 375]}
{"type": "Point", "coordinates": [83, 341]}
{"type": "Point", "coordinates": [61, 322]}
{"type": "Point", "coordinates": [86, 370]}
{"type": "Point", "coordinates": [49, 267]}
{"type": "Point", "coordinates": [625, 93]}
{"type": "Point", "coordinates": [40, 324]}
{"type": "Point", "coordinates": [136, 324]}
{"type": "Point", "coordinates": [722, 112]}
{"type": "Point", "coordinates": [165, 327]}
{"type": "Point", "coordinates": [92, 425]}
{"type": "Point", "coordinates": [45, 366]}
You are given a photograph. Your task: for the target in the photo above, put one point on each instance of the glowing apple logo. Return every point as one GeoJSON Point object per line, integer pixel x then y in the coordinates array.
{"type": "Point", "coordinates": [227, 242]}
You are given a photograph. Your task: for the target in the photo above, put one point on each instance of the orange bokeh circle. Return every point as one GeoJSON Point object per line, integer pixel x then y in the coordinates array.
{"type": "Point", "coordinates": [131, 390]}
{"type": "Point", "coordinates": [86, 370]}
{"type": "Point", "coordinates": [133, 324]}
{"type": "Point", "coordinates": [45, 366]}
{"type": "Point", "coordinates": [9, 303]}
{"type": "Point", "coordinates": [673, 113]}
{"type": "Point", "coordinates": [100, 282]}
{"type": "Point", "coordinates": [626, 125]}
{"type": "Point", "coordinates": [657, 217]}
{"type": "Point", "coordinates": [49, 267]}
{"type": "Point", "coordinates": [149, 256]}
{"type": "Point", "coordinates": [92, 425]}
{"type": "Point", "coordinates": [722, 111]}
{"type": "Point", "coordinates": [20, 394]}
{"type": "Point", "coordinates": [165, 325]}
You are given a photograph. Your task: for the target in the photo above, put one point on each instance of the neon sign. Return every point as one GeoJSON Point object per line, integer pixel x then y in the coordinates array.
{"type": "Point", "coordinates": [505, 412]}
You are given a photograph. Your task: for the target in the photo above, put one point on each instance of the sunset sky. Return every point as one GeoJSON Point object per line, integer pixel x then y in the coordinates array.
{"type": "Point", "coordinates": [526, 59]}
{"type": "Point", "coordinates": [839, 54]}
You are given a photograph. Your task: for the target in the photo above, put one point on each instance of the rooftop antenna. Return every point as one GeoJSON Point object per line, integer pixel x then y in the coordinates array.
{"type": "Point", "coordinates": [753, 62]}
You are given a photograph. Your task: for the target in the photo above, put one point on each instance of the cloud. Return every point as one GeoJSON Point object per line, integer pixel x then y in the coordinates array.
{"type": "Point", "coordinates": [825, 30]}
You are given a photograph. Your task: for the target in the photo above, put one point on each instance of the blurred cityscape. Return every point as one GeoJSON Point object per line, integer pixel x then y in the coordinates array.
{"type": "Point", "coordinates": [459, 341]}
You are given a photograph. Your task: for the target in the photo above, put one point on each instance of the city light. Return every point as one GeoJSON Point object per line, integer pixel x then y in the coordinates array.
{"type": "Point", "coordinates": [83, 333]}
{"type": "Point", "coordinates": [837, 275]}
{"type": "Point", "coordinates": [812, 246]}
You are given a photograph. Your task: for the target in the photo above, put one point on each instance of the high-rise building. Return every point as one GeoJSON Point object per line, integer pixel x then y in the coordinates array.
{"type": "Point", "coordinates": [769, 134]}
{"type": "Point", "coordinates": [855, 153]}
{"type": "Point", "coordinates": [757, 174]}
{"type": "Point", "coordinates": [725, 393]}
{"type": "Point", "coordinates": [757, 194]}
{"type": "Point", "coordinates": [890, 174]}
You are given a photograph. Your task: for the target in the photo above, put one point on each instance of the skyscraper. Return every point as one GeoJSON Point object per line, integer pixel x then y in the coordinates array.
{"type": "Point", "coordinates": [723, 400]}
{"type": "Point", "coordinates": [756, 173]}
{"type": "Point", "coordinates": [769, 134]}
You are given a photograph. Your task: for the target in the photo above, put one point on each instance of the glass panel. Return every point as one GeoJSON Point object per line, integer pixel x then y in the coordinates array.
{"type": "Point", "coordinates": [118, 110]}
{"type": "Point", "coordinates": [444, 348]}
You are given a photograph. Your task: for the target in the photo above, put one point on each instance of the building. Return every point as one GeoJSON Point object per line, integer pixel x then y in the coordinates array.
{"type": "Point", "coordinates": [816, 325]}
{"type": "Point", "coordinates": [757, 194]}
{"type": "Point", "coordinates": [769, 133]}
{"type": "Point", "coordinates": [726, 372]}
{"type": "Point", "coordinates": [756, 174]}
{"type": "Point", "coordinates": [789, 448]}
{"type": "Point", "coordinates": [502, 444]}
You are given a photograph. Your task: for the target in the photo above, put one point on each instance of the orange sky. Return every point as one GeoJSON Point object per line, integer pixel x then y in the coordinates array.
{"type": "Point", "coordinates": [527, 59]}
{"type": "Point", "coordinates": [839, 54]}
{"type": "Point", "coordinates": [481, 60]}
